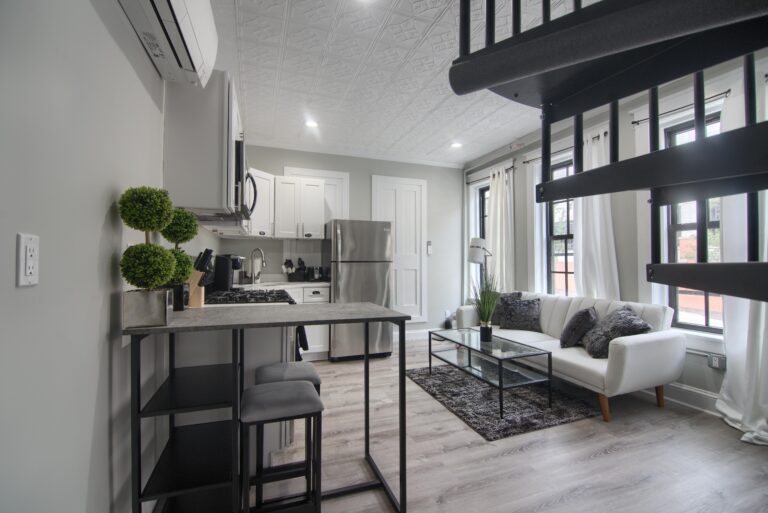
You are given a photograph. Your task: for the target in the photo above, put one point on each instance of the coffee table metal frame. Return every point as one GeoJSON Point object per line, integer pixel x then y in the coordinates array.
{"type": "Point", "coordinates": [505, 365]}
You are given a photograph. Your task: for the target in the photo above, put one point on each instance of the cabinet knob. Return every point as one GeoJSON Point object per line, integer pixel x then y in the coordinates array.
{"type": "Point", "coordinates": [262, 232]}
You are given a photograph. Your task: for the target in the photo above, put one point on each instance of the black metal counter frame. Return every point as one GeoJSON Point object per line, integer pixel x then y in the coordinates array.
{"type": "Point", "coordinates": [193, 468]}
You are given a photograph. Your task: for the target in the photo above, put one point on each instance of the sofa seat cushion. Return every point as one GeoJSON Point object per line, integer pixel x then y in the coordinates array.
{"type": "Point", "coordinates": [576, 363]}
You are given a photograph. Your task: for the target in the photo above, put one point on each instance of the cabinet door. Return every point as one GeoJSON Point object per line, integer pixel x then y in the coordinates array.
{"type": "Point", "coordinates": [263, 216]}
{"type": "Point", "coordinates": [312, 208]}
{"type": "Point", "coordinates": [287, 206]}
{"type": "Point", "coordinates": [317, 338]}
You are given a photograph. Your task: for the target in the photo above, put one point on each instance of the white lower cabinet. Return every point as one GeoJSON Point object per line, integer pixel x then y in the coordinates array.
{"type": "Point", "coordinates": [318, 336]}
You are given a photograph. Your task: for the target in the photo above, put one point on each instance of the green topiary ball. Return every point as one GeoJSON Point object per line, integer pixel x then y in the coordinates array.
{"type": "Point", "coordinates": [147, 266]}
{"type": "Point", "coordinates": [146, 208]}
{"type": "Point", "coordinates": [182, 228]}
{"type": "Point", "coordinates": [183, 269]}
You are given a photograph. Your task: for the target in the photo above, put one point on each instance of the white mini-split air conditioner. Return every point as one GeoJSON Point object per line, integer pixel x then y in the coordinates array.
{"type": "Point", "coordinates": [179, 35]}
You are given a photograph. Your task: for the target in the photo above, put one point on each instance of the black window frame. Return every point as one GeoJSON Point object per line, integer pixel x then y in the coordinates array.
{"type": "Point", "coordinates": [674, 227]}
{"type": "Point", "coordinates": [482, 215]}
{"type": "Point", "coordinates": [567, 238]}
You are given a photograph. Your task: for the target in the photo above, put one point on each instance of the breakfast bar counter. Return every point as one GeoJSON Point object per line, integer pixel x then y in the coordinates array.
{"type": "Point", "coordinates": [199, 465]}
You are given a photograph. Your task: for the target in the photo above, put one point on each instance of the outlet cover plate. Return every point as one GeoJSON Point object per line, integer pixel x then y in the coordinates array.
{"type": "Point", "coordinates": [27, 260]}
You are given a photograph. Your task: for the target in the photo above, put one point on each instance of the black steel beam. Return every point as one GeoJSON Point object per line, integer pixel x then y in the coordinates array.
{"type": "Point", "coordinates": [613, 132]}
{"type": "Point", "coordinates": [700, 128]}
{"type": "Point", "coordinates": [712, 189]}
{"type": "Point", "coordinates": [464, 18]}
{"type": "Point", "coordinates": [546, 145]}
{"type": "Point", "coordinates": [490, 22]}
{"type": "Point", "coordinates": [576, 5]}
{"type": "Point", "coordinates": [516, 17]}
{"type": "Point", "coordinates": [711, 158]}
{"type": "Point", "coordinates": [653, 134]}
{"type": "Point", "coordinates": [745, 279]}
{"type": "Point", "coordinates": [750, 116]}
{"type": "Point", "coordinates": [546, 13]}
{"type": "Point", "coordinates": [578, 143]}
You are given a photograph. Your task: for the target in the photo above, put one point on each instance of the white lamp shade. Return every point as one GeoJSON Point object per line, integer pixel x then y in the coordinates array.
{"type": "Point", "coordinates": [477, 251]}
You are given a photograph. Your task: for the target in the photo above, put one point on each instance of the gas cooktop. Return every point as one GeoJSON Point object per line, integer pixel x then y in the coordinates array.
{"type": "Point", "coordinates": [239, 296]}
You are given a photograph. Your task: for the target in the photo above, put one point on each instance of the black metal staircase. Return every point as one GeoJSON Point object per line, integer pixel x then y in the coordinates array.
{"type": "Point", "coordinates": [597, 55]}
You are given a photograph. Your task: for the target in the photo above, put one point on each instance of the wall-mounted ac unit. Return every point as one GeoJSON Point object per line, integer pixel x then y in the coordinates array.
{"type": "Point", "coordinates": [179, 35]}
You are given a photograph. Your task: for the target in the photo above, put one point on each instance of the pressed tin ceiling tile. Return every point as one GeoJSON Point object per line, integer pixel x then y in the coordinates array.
{"type": "Point", "coordinates": [372, 73]}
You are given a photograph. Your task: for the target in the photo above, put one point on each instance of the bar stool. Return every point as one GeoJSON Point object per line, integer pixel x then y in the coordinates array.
{"type": "Point", "coordinates": [278, 402]}
{"type": "Point", "coordinates": [288, 371]}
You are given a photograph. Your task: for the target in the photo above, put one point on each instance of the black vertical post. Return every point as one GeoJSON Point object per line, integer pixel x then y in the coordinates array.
{"type": "Point", "coordinates": [578, 143]}
{"type": "Point", "coordinates": [700, 124]}
{"type": "Point", "coordinates": [545, 11]}
{"type": "Point", "coordinates": [546, 144]}
{"type": "Point", "coordinates": [653, 132]}
{"type": "Point", "coordinates": [516, 17]}
{"type": "Point", "coordinates": [401, 388]}
{"type": "Point", "coordinates": [171, 374]}
{"type": "Point", "coordinates": [135, 423]}
{"type": "Point", "coordinates": [463, 28]}
{"type": "Point", "coordinates": [576, 5]}
{"type": "Point", "coordinates": [490, 22]}
{"type": "Point", "coordinates": [750, 117]}
{"type": "Point", "coordinates": [366, 387]}
{"type": "Point", "coordinates": [235, 419]}
{"type": "Point", "coordinates": [613, 132]}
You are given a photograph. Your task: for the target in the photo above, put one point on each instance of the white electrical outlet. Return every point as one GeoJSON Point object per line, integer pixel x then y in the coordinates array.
{"type": "Point", "coordinates": [27, 260]}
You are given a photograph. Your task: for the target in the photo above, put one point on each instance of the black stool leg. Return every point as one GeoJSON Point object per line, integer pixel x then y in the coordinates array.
{"type": "Point", "coordinates": [259, 464]}
{"type": "Point", "coordinates": [245, 466]}
{"type": "Point", "coordinates": [316, 462]}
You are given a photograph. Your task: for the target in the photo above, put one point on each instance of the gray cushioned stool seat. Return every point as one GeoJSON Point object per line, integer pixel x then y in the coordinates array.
{"type": "Point", "coordinates": [287, 371]}
{"type": "Point", "coordinates": [272, 401]}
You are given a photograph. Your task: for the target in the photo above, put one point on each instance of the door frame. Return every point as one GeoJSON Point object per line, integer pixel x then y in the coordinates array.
{"type": "Point", "coordinates": [376, 182]}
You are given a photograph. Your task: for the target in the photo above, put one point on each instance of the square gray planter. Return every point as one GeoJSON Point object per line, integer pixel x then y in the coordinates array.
{"type": "Point", "coordinates": [147, 308]}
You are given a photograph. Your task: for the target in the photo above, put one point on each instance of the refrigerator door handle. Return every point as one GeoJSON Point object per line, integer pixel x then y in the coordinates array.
{"type": "Point", "coordinates": [338, 242]}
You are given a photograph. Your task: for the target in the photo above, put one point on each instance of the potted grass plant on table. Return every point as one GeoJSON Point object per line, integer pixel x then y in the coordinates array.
{"type": "Point", "coordinates": [485, 297]}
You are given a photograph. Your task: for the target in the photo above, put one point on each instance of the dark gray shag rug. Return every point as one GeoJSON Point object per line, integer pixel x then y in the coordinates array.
{"type": "Point", "coordinates": [525, 408]}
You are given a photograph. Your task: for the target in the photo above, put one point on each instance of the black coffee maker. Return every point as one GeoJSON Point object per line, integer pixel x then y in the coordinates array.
{"type": "Point", "coordinates": [224, 271]}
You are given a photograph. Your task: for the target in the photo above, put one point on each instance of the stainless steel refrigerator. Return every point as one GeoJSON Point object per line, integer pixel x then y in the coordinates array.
{"type": "Point", "coordinates": [359, 254]}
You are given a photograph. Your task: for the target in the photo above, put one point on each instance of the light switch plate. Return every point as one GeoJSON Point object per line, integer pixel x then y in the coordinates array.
{"type": "Point", "coordinates": [27, 260]}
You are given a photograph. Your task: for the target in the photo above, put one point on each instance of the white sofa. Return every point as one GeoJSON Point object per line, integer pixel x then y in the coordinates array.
{"type": "Point", "coordinates": [634, 363]}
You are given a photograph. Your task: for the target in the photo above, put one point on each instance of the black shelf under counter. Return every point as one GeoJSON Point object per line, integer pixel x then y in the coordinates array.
{"type": "Point", "coordinates": [187, 389]}
{"type": "Point", "coordinates": [218, 500]}
{"type": "Point", "coordinates": [196, 457]}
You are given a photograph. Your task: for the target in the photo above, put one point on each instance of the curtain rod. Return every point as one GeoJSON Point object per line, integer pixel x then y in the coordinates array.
{"type": "Point", "coordinates": [506, 170]}
{"type": "Point", "coordinates": [724, 94]}
{"type": "Point", "coordinates": [569, 148]}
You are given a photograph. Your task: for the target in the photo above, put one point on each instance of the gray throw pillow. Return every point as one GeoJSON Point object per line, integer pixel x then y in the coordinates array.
{"type": "Point", "coordinates": [621, 322]}
{"type": "Point", "coordinates": [578, 326]}
{"type": "Point", "coordinates": [497, 312]}
{"type": "Point", "coordinates": [521, 314]}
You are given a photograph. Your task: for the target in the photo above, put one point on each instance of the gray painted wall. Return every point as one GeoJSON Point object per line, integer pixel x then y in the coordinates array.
{"type": "Point", "coordinates": [81, 119]}
{"type": "Point", "coordinates": [444, 216]}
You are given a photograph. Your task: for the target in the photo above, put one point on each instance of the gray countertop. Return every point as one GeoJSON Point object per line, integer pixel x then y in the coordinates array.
{"type": "Point", "coordinates": [264, 316]}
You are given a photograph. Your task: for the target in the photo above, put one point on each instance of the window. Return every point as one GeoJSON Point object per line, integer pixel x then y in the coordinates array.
{"type": "Point", "coordinates": [560, 239]}
{"type": "Point", "coordinates": [694, 309]}
{"type": "Point", "coordinates": [484, 193]}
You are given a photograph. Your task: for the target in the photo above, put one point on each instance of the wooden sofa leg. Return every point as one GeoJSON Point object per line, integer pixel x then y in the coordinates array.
{"type": "Point", "coordinates": [605, 407]}
{"type": "Point", "coordinates": [660, 396]}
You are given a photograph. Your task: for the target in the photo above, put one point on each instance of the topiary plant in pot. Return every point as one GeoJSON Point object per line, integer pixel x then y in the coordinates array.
{"type": "Point", "coordinates": [181, 229]}
{"type": "Point", "coordinates": [147, 266]}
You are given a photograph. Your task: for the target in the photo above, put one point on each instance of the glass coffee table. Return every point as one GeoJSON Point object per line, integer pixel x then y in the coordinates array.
{"type": "Point", "coordinates": [492, 362]}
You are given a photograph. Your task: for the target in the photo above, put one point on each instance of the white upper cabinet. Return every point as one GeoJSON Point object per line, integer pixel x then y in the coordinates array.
{"type": "Point", "coordinates": [336, 190]}
{"type": "Point", "coordinates": [299, 207]}
{"type": "Point", "coordinates": [261, 194]}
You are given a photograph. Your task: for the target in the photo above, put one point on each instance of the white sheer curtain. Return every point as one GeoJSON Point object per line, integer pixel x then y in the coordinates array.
{"type": "Point", "coordinates": [500, 231]}
{"type": "Point", "coordinates": [537, 235]}
{"type": "Point", "coordinates": [743, 400]}
{"type": "Point", "coordinates": [595, 268]}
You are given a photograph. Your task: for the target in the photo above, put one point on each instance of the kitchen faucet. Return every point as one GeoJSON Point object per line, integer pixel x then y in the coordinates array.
{"type": "Point", "coordinates": [256, 275]}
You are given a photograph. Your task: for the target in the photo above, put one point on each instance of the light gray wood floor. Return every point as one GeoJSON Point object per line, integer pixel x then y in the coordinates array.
{"type": "Point", "coordinates": [647, 460]}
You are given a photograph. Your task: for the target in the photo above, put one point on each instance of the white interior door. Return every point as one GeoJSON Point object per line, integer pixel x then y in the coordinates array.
{"type": "Point", "coordinates": [403, 202]}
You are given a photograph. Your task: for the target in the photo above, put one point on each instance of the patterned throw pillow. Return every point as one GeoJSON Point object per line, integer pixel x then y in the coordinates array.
{"type": "Point", "coordinates": [621, 322]}
{"type": "Point", "coordinates": [521, 314]}
{"type": "Point", "coordinates": [578, 326]}
{"type": "Point", "coordinates": [496, 317]}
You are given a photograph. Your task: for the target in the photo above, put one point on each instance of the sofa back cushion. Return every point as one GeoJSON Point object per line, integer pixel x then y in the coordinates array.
{"type": "Point", "coordinates": [556, 311]}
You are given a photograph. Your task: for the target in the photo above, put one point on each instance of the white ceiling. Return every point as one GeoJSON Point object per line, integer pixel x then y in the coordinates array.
{"type": "Point", "coordinates": [372, 73]}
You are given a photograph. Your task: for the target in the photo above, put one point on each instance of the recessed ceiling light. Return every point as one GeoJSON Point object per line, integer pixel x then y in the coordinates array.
{"type": "Point", "coordinates": [310, 123]}
{"type": "Point", "coordinates": [456, 145]}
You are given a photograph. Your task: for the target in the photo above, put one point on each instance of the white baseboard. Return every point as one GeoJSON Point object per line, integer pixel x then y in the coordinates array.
{"type": "Point", "coordinates": [692, 397]}
{"type": "Point", "coordinates": [411, 335]}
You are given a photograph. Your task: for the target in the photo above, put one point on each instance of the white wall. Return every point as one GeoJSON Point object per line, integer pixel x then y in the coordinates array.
{"type": "Point", "coordinates": [444, 215]}
{"type": "Point", "coordinates": [80, 121]}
